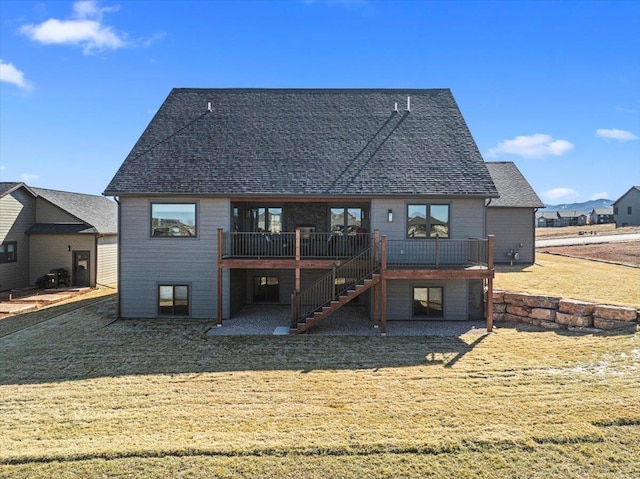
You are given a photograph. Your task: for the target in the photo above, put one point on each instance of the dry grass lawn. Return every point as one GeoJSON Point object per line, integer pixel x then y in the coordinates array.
{"type": "Point", "coordinates": [161, 399]}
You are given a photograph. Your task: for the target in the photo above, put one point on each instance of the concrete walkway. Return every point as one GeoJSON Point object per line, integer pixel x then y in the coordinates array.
{"type": "Point", "coordinates": [32, 299]}
{"type": "Point", "coordinates": [351, 320]}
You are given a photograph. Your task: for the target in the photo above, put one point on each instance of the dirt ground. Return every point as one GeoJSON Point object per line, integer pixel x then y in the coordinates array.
{"type": "Point", "coordinates": [626, 253]}
{"type": "Point", "coordinates": [574, 231]}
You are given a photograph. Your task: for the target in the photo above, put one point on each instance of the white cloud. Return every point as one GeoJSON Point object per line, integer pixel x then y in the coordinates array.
{"type": "Point", "coordinates": [556, 195]}
{"type": "Point", "coordinates": [531, 146]}
{"type": "Point", "coordinates": [614, 134]}
{"type": "Point", "coordinates": [600, 196]}
{"type": "Point", "coordinates": [10, 74]}
{"type": "Point", "coordinates": [29, 177]}
{"type": "Point", "coordinates": [84, 29]}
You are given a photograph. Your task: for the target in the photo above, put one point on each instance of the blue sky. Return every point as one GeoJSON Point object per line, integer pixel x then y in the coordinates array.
{"type": "Point", "coordinates": [552, 86]}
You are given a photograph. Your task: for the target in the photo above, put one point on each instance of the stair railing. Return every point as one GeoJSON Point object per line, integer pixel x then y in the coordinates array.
{"type": "Point", "coordinates": [332, 285]}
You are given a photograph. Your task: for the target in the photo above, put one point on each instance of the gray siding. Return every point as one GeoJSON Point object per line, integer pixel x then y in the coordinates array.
{"type": "Point", "coordinates": [400, 298]}
{"type": "Point", "coordinates": [49, 213]}
{"type": "Point", "coordinates": [623, 218]}
{"type": "Point", "coordinates": [465, 215]}
{"type": "Point", "coordinates": [107, 260]}
{"type": "Point", "coordinates": [147, 262]}
{"type": "Point", "coordinates": [17, 214]}
{"type": "Point", "coordinates": [512, 227]}
{"type": "Point", "coordinates": [52, 251]}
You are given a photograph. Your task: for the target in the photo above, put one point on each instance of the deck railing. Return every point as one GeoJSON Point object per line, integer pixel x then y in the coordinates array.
{"type": "Point", "coordinates": [283, 245]}
{"type": "Point", "coordinates": [437, 252]}
{"type": "Point", "coordinates": [332, 285]}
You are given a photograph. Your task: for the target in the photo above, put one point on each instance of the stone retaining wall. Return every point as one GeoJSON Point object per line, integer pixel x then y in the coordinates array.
{"type": "Point", "coordinates": [553, 312]}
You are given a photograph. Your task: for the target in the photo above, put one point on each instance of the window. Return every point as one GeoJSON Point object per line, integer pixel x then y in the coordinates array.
{"type": "Point", "coordinates": [9, 252]}
{"type": "Point", "coordinates": [265, 219]}
{"type": "Point", "coordinates": [629, 210]}
{"type": "Point", "coordinates": [266, 288]}
{"type": "Point", "coordinates": [615, 210]}
{"type": "Point", "coordinates": [173, 300]}
{"type": "Point", "coordinates": [346, 221]}
{"type": "Point", "coordinates": [173, 219]}
{"type": "Point", "coordinates": [427, 303]}
{"type": "Point", "coordinates": [431, 219]}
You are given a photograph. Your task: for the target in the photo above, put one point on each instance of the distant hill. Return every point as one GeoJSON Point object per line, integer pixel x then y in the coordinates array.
{"type": "Point", "coordinates": [586, 206]}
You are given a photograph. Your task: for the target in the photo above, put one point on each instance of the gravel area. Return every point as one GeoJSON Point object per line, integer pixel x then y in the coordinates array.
{"type": "Point", "coordinates": [348, 321]}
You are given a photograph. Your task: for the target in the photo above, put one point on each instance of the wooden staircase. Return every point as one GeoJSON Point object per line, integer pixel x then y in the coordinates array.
{"type": "Point", "coordinates": [334, 290]}
{"type": "Point", "coordinates": [309, 320]}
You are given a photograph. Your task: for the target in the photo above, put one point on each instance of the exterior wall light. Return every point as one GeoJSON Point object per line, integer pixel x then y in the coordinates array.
{"type": "Point", "coordinates": [390, 213]}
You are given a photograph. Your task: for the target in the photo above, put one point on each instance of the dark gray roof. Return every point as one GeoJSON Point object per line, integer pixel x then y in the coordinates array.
{"type": "Point", "coordinates": [570, 213]}
{"type": "Point", "coordinates": [94, 211]}
{"type": "Point", "coordinates": [259, 142]}
{"type": "Point", "coordinates": [514, 190]}
{"type": "Point", "coordinates": [602, 211]}
{"type": "Point", "coordinates": [7, 187]}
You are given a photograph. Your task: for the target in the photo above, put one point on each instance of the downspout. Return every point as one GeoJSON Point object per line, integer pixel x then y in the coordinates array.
{"type": "Point", "coordinates": [535, 225]}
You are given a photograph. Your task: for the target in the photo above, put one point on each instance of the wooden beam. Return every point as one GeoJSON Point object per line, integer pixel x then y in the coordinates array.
{"type": "Point", "coordinates": [438, 273]}
{"type": "Point", "coordinates": [242, 263]}
{"type": "Point", "coordinates": [376, 299]}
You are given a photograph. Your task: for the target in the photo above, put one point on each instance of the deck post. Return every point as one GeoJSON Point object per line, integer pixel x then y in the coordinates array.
{"type": "Point", "coordinates": [490, 284]}
{"type": "Point", "coordinates": [297, 260]}
{"type": "Point", "coordinates": [219, 312]}
{"type": "Point", "coordinates": [383, 292]}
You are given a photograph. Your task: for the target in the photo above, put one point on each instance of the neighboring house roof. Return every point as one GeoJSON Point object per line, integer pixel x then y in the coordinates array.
{"type": "Point", "coordinates": [8, 187]}
{"type": "Point", "coordinates": [570, 213]}
{"type": "Point", "coordinates": [287, 142]}
{"type": "Point", "coordinates": [626, 193]}
{"type": "Point", "coordinates": [514, 190]}
{"type": "Point", "coordinates": [602, 211]}
{"type": "Point", "coordinates": [100, 214]}
{"type": "Point", "coordinates": [548, 215]}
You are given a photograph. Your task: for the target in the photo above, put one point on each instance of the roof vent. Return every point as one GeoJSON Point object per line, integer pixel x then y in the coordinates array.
{"type": "Point", "coordinates": [408, 103]}
{"type": "Point", "coordinates": [209, 106]}
{"type": "Point", "coordinates": [395, 106]}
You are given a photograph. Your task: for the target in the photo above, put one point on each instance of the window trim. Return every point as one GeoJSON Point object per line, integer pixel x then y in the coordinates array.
{"type": "Point", "coordinates": [174, 314]}
{"type": "Point", "coordinates": [427, 316]}
{"type": "Point", "coordinates": [196, 215]}
{"type": "Point", "coordinates": [4, 254]}
{"type": "Point", "coordinates": [428, 205]}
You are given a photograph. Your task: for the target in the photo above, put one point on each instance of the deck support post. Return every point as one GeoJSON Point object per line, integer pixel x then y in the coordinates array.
{"type": "Point", "coordinates": [383, 286]}
{"type": "Point", "coordinates": [490, 266]}
{"type": "Point", "coordinates": [297, 260]}
{"type": "Point", "coordinates": [219, 312]}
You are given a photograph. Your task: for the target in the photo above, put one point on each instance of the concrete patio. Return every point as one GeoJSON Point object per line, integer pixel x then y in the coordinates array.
{"type": "Point", "coordinates": [351, 320]}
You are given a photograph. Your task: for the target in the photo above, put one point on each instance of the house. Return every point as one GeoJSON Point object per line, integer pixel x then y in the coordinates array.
{"type": "Point", "coordinates": [571, 218]}
{"type": "Point", "coordinates": [626, 209]}
{"type": "Point", "coordinates": [601, 216]}
{"type": "Point", "coordinates": [310, 198]}
{"type": "Point", "coordinates": [511, 217]}
{"type": "Point", "coordinates": [547, 219]}
{"type": "Point", "coordinates": [43, 229]}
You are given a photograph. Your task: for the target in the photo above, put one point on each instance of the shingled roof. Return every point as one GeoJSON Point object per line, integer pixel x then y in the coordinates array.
{"type": "Point", "coordinates": [99, 214]}
{"type": "Point", "coordinates": [515, 191]}
{"type": "Point", "coordinates": [299, 142]}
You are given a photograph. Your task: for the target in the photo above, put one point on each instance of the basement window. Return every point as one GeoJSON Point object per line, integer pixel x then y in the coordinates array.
{"type": "Point", "coordinates": [428, 303]}
{"type": "Point", "coordinates": [173, 300]}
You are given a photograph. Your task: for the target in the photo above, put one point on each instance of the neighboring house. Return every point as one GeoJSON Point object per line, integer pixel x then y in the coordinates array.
{"type": "Point", "coordinates": [601, 216]}
{"type": "Point", "coordinates": [626, 209]}
{"type": "Point", "coordinates": [510, 218]}
{"type": "Point", "coordinates": [312, 198]}
{"type": "Point", "coordinates": [42, 229]}
{"type": "Point", "coordinates": [547, 219]}
{"type": "Point", "coordinates": [571, 218]}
